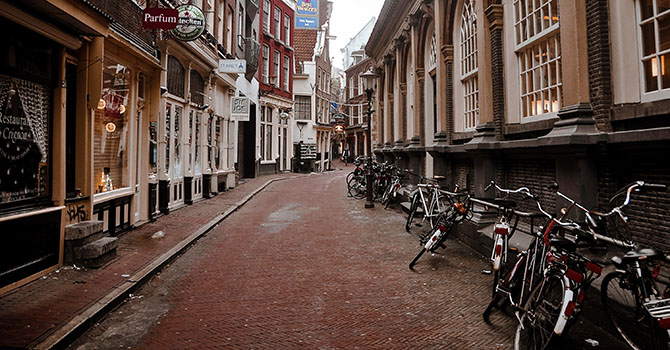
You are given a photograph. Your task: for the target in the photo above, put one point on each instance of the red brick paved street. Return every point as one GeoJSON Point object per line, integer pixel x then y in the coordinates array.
{"type": "Point", "coordinates": [303, 266]}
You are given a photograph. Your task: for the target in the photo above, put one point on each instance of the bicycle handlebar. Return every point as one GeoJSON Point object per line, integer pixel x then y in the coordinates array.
{"type": "Point", "coordinates": [523, 190]}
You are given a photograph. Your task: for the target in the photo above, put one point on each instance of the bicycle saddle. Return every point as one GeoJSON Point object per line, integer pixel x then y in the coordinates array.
{"type": "Point", "coordinates": [639, 254]}
{"type": "Point", "coordinates": [438, 177]}
{"type": "Point", "coordinates": [505, 203]}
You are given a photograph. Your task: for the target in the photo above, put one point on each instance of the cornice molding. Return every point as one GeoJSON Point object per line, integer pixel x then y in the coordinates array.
{"type": "Point", "coordinates": [494, 13]}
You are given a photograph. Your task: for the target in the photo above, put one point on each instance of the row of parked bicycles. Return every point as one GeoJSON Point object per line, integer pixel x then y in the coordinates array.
{"type": "Point", "coordinates": [546, 282]}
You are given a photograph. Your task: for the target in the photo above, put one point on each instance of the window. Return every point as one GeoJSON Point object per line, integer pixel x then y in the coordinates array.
{"type": "Point", "coordinates": [240, 26]}
{"type": "Point", "coordinates": [266, 16]}
{"type": "Point", "coordinates": [468, 65]}
{"type": "Point", "coordinates": [538, 49]}
{"type": "Point", "coordinates": [197, 88]}
{"type": "Point", "coordinates": [277, 25]}
{"type": "Point", "coordinates": [229, 30]}
{"type": "Point", "coordinates": [266, 64]}
{"type": "Point", "coordinates": [286, 73]}
{"type": "Point", "coordinates": [266, 133]}
{"type": "Point", "coordinates": [276, 67]}
{"type": "Point", "coordinates": [303, 107]}
{"type": "Point", "coordinates": [220, 7]}
{"type": "Point", "coordinates": [654, 22]}
{"type": "Point", "coordinates": [176, 76]}
{"type": "Point", "coordinates": [111, 130]}
{"type": "Point", "coordinates": [287, 30]}
{"type": "Point", "coordinates": [351, 87]}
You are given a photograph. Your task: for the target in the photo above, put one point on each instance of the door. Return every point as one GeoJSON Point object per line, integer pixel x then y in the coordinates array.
{"type": "Point", "coordinates": [173, 154]}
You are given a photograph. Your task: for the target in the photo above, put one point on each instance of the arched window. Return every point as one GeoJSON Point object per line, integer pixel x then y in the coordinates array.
{"type": "Point", "coordinates": [176, 76]}
{"type": "Point", "coordinates": [469, 67]}
{"type": "Point", "coordinates": [197, 88]}
{"type": "Point", "coordinates": [538, 47]}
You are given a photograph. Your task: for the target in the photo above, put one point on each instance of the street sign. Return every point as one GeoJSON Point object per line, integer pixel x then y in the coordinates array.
{"type": "Point", "coordinates": [307, 14]}
{"type": "Point", "coordinates": [159, 18]}
{"type": "Point", "coordinates": [239, 109]}
{"type": "Point", "coordinates": [233, 66]}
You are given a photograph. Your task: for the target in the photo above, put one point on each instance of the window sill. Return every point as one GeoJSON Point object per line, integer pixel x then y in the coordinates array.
{"type": "Point", "coordinates": [640, 110]}
{"type": "Point", "coordinates": [263, 162]}
{"type": "Point", "coordinates": [114, 194]}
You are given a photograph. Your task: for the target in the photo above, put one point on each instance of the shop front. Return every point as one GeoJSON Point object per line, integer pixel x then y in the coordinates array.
{"type": "Point", "coordinates": [41, 67]}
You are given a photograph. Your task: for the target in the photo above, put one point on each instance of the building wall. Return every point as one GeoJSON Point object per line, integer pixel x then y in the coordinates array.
{"type": "Point", "coordinates": [600, 133]}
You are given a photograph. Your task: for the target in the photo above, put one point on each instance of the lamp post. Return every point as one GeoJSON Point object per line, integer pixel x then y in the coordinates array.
{"type": "Point", "coordinates": [369, 78]}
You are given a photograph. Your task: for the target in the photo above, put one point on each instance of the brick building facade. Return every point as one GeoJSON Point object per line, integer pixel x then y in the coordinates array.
{"type": "Point", "coordinates": [529, 95]}
{"type": "Point", "coordinates": [275, 76]}
{"type": "Point", "coordinates": [356, 107]}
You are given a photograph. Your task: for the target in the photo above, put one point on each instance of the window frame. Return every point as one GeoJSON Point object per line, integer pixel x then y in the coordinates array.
{"type": "Point", "coordinates": [265, 73]}
{"type": "Point", "coordinates": [287, 29]}
{"type": "Point", "coordinates": [266, 14]}
{"type": "Point", "coordinates": [277, 22]}
{"type": "Point", "coordinates": [469, 66]}
{"type": "Point", "coordinates": [276, 66]}
{"type": "Point", "coordinates": [287, 63]}
{"type": "Point", "coordinates": [535, 92]}
{"type": "Point", "coordinates": [657, 54]}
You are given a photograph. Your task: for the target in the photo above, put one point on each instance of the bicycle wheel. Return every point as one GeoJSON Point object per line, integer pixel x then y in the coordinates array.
{"type": "Point", "coordinates": [412, 210]}
{"type": "Point", "coordinates": [540, 314]}
{"type": "Point", "coordinates": [624, 307]}
{"type": "Point", "coordinates": [435, 208]}
{"type": "Point", "coordinates": [510, 282]}
{"type": "Point", "coordinates": [357, 188]}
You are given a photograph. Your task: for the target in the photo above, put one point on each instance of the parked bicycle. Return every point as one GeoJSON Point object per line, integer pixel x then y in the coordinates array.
{"type": "Point", "coordinates": [455, 212]}
{"type": "Point", "coordinates": [426, 201]}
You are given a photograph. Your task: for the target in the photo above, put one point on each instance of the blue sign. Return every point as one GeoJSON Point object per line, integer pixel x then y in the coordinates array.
{"type": "Point", "coordinates": [307, 14]}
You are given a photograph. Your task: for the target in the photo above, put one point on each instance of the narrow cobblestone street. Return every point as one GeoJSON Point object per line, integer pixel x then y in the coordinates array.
{"type": "Point", "coordinates": [280, 274]}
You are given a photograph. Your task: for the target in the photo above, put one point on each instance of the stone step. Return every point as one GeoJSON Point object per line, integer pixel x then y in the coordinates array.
{"type": "Point", "coordinates": [79, 235]}
{"type": "Point", "coordinates": [97, 253]}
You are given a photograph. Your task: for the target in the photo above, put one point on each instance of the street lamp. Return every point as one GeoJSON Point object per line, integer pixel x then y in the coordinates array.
{"type": "Point", "coordinates": [369, 79]}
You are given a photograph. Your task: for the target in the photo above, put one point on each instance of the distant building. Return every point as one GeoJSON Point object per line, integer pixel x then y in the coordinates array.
{"type": "Point", "coordinates": [312, 92]}
{"type": "Point", "coordinates": [354, 51]}
{"type": "Point", "coordinates": [275, 76]}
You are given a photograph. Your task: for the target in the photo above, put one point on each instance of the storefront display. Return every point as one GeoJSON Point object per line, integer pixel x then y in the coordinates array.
{"type": "Point", "coordinates": [111, 130]}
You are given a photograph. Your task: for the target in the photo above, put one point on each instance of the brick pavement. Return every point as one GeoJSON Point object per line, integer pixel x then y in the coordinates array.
{"type": "Point", "coordinates": [31, 313]}
{"type": "Point", "coordinates": [303, 268]}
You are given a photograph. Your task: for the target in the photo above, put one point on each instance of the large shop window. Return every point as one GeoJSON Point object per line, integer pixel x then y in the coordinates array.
{"type": "Point", "coordinates": [24, 140]}
{"type": "Point", "coordinates": [111, 130]}
{"type": "Point", "coordinates": [654, 21]}
{"type": "Point", "coordinates": [266, 133]}
{"type": "Point", "coordinates": [538, 48]}
{"type": "Point", "coordinates": [469, 65]}
{"type": "Point", "coordinates": [176, 76]}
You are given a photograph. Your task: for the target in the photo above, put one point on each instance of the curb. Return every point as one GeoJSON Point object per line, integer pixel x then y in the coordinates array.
{"type": "Point", "coordinates": [65, 335]}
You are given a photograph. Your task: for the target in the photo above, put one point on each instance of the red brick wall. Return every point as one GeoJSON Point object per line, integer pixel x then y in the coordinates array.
{"type": "Point", "coordinates": [276, 42]}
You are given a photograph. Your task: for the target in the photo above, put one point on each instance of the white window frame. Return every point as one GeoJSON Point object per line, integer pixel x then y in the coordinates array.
{"type": "Point", "coordinates": [286, 73]}
{"type": "Point", "coordinates": [287, 30]}
{"type": "Point", "coordinates": [657, 57]}
{"type": "Point", "coordinates": [266, 16]}
{"type": "Point", "coordinates": [469, 66]}
{"type": "Point", "coordinates": [538, 52]}
{"type": "Point", "coordinates": [266, 64]}
{"type": "Point", "coordinates": [276, 67]}
{"type": "Point", "coordinates": [240, 27]}
{"type": "Point", "coordinates": [277, 19]}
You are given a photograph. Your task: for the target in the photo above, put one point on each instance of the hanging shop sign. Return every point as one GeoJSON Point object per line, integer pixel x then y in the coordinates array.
{"type": "Point", "coordinates": [190, 23]}
{"type": "Point", "coordinates": [159, 18]}
{"type": "Point", "coordinates": [239, 109]}
{"type": "Point", "coordinates": [233, 66]}
{"type": "Point", "coordinates": [307, 14]}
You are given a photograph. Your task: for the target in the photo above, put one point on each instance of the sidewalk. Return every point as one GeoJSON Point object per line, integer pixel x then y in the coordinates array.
{"type": "Point", "coordinates": [51, 311]}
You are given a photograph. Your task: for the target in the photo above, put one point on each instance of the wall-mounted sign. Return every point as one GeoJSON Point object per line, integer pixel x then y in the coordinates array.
{"type": "Point", "coordinates": [190, 23]}
{"type": "Point", "coordinates": [307, 14]}
{"type": "Point", "coordinates": [239, 109]}
{"type": "Point", "coordinates": [159, 18]}
{"type": "Point", "coordinates": [233, 66]}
